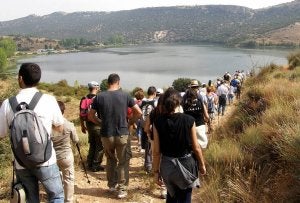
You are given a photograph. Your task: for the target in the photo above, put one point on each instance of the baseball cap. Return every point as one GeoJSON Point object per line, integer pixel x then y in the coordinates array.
{"type": "Point", "coordinates": [93, 84]}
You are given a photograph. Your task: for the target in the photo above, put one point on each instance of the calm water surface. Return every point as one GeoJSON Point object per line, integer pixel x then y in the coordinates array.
{"type": "Point", "coordinates": [157, 65]}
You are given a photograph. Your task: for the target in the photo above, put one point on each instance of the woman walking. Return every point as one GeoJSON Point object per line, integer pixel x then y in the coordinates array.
{"type": "Point", "coordinates": [177, 156]}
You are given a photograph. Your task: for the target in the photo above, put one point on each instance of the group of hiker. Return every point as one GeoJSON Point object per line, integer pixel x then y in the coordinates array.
{"type": "Point", "coordinates": [171, 127]}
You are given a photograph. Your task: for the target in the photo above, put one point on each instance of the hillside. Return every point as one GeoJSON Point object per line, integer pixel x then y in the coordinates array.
{"type": "Point", "coordinates": [211, 23]}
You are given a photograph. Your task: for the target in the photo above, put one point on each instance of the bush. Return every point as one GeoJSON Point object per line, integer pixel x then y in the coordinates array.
{"type": "Point", "coordinates": [181, 84]}
{"type": "Point", "coordinates": [294, 60]}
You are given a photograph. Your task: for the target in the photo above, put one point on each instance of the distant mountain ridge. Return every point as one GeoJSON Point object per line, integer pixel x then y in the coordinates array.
{"type": "Point", "coordinates": [211, 23]}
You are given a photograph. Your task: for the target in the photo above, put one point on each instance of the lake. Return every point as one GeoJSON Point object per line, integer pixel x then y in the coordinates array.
{"type": "Point", "coordinates": [158, 65]}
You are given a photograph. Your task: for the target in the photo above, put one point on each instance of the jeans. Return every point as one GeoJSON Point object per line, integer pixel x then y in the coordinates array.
{"type": "Point", "coordinates": [95, 153]}
{"type": "Point", "coordinates": [66, 166]}
{"type": "Point", "coordinates": [49, 177]}
{"type": "Point", "coordinates": [115, 151]}
{"type": "Point", "coordinates": [222, 104]}
{"type": "Point", "coordinates": [148, 156]}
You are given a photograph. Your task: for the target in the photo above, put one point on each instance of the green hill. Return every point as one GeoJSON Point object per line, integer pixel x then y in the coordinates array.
{"type": "Point", "coordinates": [211, 23]}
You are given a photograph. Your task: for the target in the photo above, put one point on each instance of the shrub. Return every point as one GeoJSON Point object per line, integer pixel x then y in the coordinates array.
{"type": "Point", "coordinates": [294, 60]}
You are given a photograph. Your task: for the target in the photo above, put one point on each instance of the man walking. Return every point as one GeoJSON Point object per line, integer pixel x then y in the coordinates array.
{"type": "Point", "coordinates": [95, 153]}
{"type": "Point", "coordinates": [111, 108]}
{"type": "Point", "coordinates": [50, 115]}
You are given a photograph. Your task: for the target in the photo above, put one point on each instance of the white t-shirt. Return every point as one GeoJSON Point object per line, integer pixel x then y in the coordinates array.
{"type": "Point", "coordinates": [47, 109]}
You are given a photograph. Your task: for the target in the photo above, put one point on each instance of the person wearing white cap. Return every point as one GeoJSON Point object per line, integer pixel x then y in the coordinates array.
{"type": "Point", "coordinates": [95, 153]}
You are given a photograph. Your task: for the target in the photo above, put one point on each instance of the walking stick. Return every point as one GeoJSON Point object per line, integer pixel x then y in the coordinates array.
{"type": "Point", "coordinates": [77, 145]}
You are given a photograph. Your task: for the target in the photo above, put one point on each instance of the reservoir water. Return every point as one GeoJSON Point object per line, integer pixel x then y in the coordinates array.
{"type": "Point", "coordinates": [158, 65]}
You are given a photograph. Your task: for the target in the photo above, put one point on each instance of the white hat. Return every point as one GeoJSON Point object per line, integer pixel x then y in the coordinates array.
{"type": "Point", "coordinates": [159, 91]}
{"type": "Point", "coordinates": [93, 84]}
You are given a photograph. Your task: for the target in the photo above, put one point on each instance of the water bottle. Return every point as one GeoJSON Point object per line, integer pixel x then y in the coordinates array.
{"type": "Point", "coordinates": [25, 143]}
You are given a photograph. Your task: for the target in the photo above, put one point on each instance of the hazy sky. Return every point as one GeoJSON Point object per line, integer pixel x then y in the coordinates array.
{"type": "Point", "coordinates": [12, 9]}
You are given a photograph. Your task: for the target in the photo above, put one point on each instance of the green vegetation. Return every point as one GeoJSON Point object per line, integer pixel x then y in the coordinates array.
{"type": "Point", "coordinates": [3, 60]}
{"type": "Point", "coordinates": [181, 84]}
{"type": "Point", "coordinates": [7, 49]}
{"type": "Point", "coordinates": [104, 85]}
{"type": "Point", "coordinates": [228, 25]}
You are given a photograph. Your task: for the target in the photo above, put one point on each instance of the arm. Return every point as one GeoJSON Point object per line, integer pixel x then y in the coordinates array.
{"type": "Point", "coordinates": [137, 113]}
{"type": "Point", "coordinates": [156, 157]}
{"type": "Point", "coordinates": [73, 134]}
{"type": "Point", "coordinates": [205, 113]}
{"type": "Point", "coordinates": [197, 150]}
{"type": "Point", "coordinates": [92, 117]}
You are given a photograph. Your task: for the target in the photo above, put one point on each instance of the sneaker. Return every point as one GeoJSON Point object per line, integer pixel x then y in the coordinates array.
{"type": "Point", "coordinates": [163, 193]}
{"type": "Point", "coordinates": [122, 194]}
{"type": "Point", "coordinates": [112, 189]}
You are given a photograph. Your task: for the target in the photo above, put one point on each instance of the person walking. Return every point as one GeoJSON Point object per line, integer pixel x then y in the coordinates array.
{"type": "Point", "coordinates": [194, 106]}
{"type": "Point", "coordinates": [147, 106]}
{"type": "Point", "coordinates": [222, 93]}
{"type": "Point", "coordinates": [64, 154]}
{"type": "Point", "coordinates": [51, 117]}
{"type": "Point", "coordinates": [95, 153]}
{"type": "Point", "coordinates": [111, 107]}
{"type": "Point", "coordinates": [177, 156]}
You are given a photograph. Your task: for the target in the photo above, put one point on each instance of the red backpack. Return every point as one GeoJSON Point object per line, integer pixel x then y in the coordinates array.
{"type": "Point", "coordinates": [85, 106]}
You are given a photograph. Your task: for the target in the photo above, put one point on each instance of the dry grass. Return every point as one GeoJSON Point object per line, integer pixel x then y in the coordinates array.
{"type": "Point", "coordinates": [255, 156]}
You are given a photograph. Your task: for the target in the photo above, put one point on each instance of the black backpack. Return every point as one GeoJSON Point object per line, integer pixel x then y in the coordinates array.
{"type": "Point", "coordinates": [30, 141]}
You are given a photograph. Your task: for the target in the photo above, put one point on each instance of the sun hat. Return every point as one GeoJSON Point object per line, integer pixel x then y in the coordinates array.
{"type": "Point", "coordinates": [93, 84]}
{"type": "Point", "coordinates": [194, 83]}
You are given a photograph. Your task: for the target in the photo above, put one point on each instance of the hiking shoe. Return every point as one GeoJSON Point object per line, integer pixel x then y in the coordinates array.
{"type": "Point", "coordinates": [122, 194]}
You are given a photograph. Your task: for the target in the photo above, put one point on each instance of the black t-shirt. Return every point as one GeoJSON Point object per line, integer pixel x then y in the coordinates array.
{"type": "Point", "coordinates": [111, 107]}
{"type": "Point", "coordinates": [195, 110]}
{"type": "Point", "coordinates": [174, 134]}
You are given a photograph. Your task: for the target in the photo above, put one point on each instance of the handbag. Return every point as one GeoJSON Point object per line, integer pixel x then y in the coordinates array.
{"type": "Point", "coordinates": [18, 194]}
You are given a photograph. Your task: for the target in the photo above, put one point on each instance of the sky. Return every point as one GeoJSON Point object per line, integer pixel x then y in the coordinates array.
{"type": "Point", "coordinates": [13, 9]}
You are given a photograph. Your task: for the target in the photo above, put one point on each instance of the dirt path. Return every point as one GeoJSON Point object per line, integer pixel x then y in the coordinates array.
{"type": "Point", "coordinates": [140, 190]}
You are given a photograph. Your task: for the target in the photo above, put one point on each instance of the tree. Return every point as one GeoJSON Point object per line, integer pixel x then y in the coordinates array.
{"type": "Point", "coordinates": [9, 46]}
{"type": "Point", "coordinates": [181, 84]}
{"type": "Point", "coordinates": [104, 85]}
{"type": "Point", "coordinates": [3, 60]}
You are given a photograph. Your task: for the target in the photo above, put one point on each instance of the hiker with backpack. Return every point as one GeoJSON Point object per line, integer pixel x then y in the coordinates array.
{"type": "Point", "coordinates": [111, 107]}
{"type": "Point", "coordinates": [30, 117]}
{"type": "Point", "coordinates": [64, 154]}
{"type": "Point", "coordinates": [95, 153]}
{"type": "Point", "coordinates": [147, 106]}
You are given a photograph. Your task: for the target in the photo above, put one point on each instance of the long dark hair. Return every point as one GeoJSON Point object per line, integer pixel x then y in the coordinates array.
{"type": "Point", "coordinates": [172, 99]}
{"type": "Point", "coordinates": [190, 97]}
